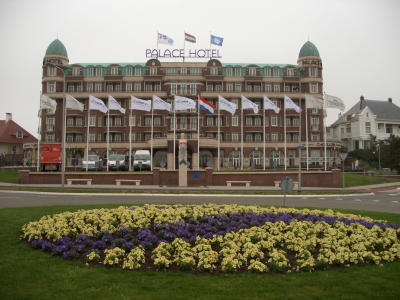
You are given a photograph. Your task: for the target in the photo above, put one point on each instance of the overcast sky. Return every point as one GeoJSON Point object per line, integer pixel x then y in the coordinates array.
{"type": "Point", "coordinates": [358, 40]}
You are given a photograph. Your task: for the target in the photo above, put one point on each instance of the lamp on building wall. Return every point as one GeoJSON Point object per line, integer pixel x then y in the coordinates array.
{"type": "Point", "coordinates": [63, 128]}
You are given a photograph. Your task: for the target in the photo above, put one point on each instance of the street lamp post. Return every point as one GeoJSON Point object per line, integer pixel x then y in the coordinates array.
{"type": "Point", "coordinates": [63, 128]}
{"type": "Point", "coordinates": [379, 155]}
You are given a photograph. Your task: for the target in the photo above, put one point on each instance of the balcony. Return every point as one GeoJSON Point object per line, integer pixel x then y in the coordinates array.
{"type": "Point", "coordinates": [315, 128]}
{"type": "Point", "coordinates": [49, 128]}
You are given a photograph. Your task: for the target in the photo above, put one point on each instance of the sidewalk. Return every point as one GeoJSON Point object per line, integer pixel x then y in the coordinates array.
{"type": "Point", "coordinates": [150, 188]}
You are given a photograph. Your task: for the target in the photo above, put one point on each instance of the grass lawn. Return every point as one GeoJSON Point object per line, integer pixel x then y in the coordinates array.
{"type": "Point", "coordinates": [353, 180]}
{"type": "Point", "coordinates": [29, 274]}
{"type": "Point", "coordinates": [9, 176]}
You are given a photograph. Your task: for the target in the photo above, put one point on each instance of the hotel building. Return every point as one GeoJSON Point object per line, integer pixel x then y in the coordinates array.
{"type": "Point", "coordinates": [189, 79]}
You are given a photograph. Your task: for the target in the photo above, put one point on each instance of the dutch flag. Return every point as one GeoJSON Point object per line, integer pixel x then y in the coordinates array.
{"type": "Point", "coordinates": [204, 105]}
{"type": "Point", "coordinates": [190, 38]}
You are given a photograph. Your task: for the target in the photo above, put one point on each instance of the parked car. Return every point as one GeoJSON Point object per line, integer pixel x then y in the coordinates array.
{"type": "Point", "coordinates": [142, 160]}
{"type": "Point", "coordinates": [93, 163]}
{"type": "Point", "coordinates": [118, 162]}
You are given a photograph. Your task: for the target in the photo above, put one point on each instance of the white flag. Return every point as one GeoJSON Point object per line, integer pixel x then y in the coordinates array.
{"type": "Point", "coordinates": [312, 102]}
{"type": "Point", "coordinates": [163, 39]}
{"type": "Point", "coordinates": [97, 104]}
{"type": "Point", "coordinates": [48, 103]}
{"type": "Point", "coordinates": [289, 104]}
{"type": "Point", "coordinates": [226, 105]}
{"type": "Point", "coordinates": [268, 104]}
{"type": "Point", "coordinates": [114, 105]}
{"type": "Point", "coordinates": [159, 103]}
{"type": "Point", "coordinates": [183, 103]}
{"type": "Point", "coordinates": [246, 103]}
{"type": "Point", "coordinates": [140, 104]}
{"type": "Point", "coordinates": [334, 102]}
{"type": "Point", "coordinates": [72, 103]}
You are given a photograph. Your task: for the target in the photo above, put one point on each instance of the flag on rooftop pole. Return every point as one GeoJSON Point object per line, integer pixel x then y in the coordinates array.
{"type": "Point", "coordinates": [215, 40]}
{"type": "Point", "coordinates": [190, 38]}
{"type": "Point", "coordinates": [48, 103]}
{"type": "Point", "coordinates": [163, 39]}
{"type": "Point", "coordinates": [114, 105]}
{"type": "Point", "coordinates": [72, 103]}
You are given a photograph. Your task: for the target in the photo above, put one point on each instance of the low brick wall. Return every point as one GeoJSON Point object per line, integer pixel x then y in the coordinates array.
{"type": "Point", "coordinates": [204, 177]}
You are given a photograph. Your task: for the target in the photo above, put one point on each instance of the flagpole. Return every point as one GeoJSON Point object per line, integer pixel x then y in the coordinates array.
{"type": "Point", "coordinates": [264, 132]}
{"type": "Point", "coordinates": [299, 179]}
{"type": "Point", "coordinates": [151, 144]}
{"type": "Point", "coordinates": [39, 134]}
{"type": "Point", "coordinates": [241, 138]}
{"type": "Point", "coordinates": [108, 128]}
{"type": "Point", "coordinates": [284, 126]}
{"type": "Point", "coordinates": [325, 134]}
{"type": "Point", "coordinates": [218, 125]}
{"type": "Point", "coordinates": [184, 45]}
{"type": "Point", "coordinates": [306, 132]}
{"type": "Point", "coordinates": [130, 135]}
{"type": "Point", "coordinates": [174, 132]}
{"type": "Point", "coordinates": [198, 132]}
{"type": "Point", "coordinates": [87, 138]}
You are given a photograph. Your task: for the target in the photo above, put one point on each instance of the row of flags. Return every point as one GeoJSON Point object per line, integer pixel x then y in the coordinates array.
{"type": "Point", "coordinates": [183, 103]}
{"type": "Point", "coordinates": [166, 40]}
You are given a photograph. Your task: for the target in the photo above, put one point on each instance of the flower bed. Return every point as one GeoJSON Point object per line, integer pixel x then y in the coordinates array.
{"type": "Point", "coordinates": [215, 238]}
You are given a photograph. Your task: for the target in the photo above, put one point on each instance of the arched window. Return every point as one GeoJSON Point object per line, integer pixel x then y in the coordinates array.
{"type": "Point", "coordinates": [160, 159]}
{"type": "Point", "coordinates": [276, 158]}
{"type": "Point", "coordinates": [206, 159]}
{"type": "Point", "coordinates": [235, 159]}
{"type": "Point", "coordinates": [256, 158]}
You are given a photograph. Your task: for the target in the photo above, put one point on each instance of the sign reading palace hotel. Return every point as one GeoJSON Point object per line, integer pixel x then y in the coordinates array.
{"type": "Point", "coordinates": [180, 53]}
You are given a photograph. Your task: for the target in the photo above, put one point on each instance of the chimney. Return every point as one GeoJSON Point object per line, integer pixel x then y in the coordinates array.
{"type": "Point", "coordinates": [8, 117]}
{"type": "Point", "coordinates": [361, 98]}
{"type": "Point", "coordinates": [390, 100]}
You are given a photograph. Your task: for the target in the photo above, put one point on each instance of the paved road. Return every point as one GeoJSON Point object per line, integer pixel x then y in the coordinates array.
{"type": "Point", "coordinates": [385, 199]}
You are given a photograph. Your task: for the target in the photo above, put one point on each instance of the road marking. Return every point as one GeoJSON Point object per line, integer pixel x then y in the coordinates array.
{"type": "Point", "coordinates": [47, 196]}
{"type": "Point", "coordinates": [395, 201]}
{"type": "Point", "coordinates": [304, 198]}
{"type": "Point", "coordinates": [339, 199]}
{"type": "Point", "coordinates": [10, 197]}
{"type": "Point", "coordinates": [393, 194]}
{"type": "Point", "coordinates": [375, 201]}
{"type": "Point", "coordinates": [321, 198]}
{"type": "Point", "coordinates": [357, 200]}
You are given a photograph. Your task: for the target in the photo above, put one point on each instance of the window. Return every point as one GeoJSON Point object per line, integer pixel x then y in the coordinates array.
{"type": "Point", "coordinates": [50, 137]}
{"type": "Point", "coordinates": [214, 71]}
{"type": "Point", "coordinates": [183, 122]}
{"type": "Point", "coordinates": [313, 72]}
{"type": "Point", "coordinates": [98, 121]}
{"type": "Point", "coordinates": [287, 121]}
{"type": "Point", "coordinates": [20, 134]}
{"type": "Point", "coordinates": [295, 137]}
{"type": "Point", "coordinates": [314, 138]}
{"type": "Point", "coordinates": [183, 71]}
{"type": "Point", "coordinates": [98, 137]}
{"type": "Point", "coordinates": [227, 121]}
{"type": "Point", "coordinates": [235, 120]}
{"type": "Point", "coordinates": [314, 88]}
{"type": "Point", "coordinates": [138, 71]}
{"type": "Point", "coordinates": [172, 71]}
{"type": "Point", "coordinates": [267, 72]}
{"type": "Point", "coordinates": [248, 88]}
{"type": "Point", "coordinates": [76, 71]}
{"type": "Point", "coordinates": [70, 138]}
{"type": "Point", "coordinates": [229, 72]}
{"type": "Point", "coordinates": [92, 137]}
{"type": "Point", "coordinates": [229, 87]}
{"type": "Point", "coordinates": [209, 121]}
{"type": "Point", "coordinates": [276, 88]}
{"type": "Point", "coordinates": [257, 88]}
{"type": "Point", "coordinates": [173, 89]}
{"type": "Point", "coordinates": [90, 71]}
{"type": "Point", "coordinates": [78, 122]}
{"type": "Point", "coordinates": [266, 121]}
{"type": "Point", "coordinates": [148, 88]}
{"type": "Point", "coordinates": [98, 87]}
{"type": "Point", "coordinates": [129, 71]}
{"type": "Point", "coordinates": [288, 139]}
{"type": "Point", "coordinates": [51, 71]}
{"type": "Point", "coordinates": [235, 137]}
{"type": "Point", "coordinates": [129, 87]}
{"type": "Point", "coordinates": [389, 128]}
{"type": "Point", "coordinates": [92, 121]}
{"type": "Point", "coordinates": [71, 88]}
{"type": "Point", "coordinates": [79, 88]}
{"type": "Point", "coordinates": [209, 87]}
{"type": "Point", "coordinates": [218, 88]}
{"type": "Point", "coordinates": [193, 88]}
{"type": "Point", "coordinates": [109, 88]}
{"type": "Point", "coordinates": [287, 89]}
{"type": "Point", "coordinates": [235, 101]}
{"type": "Point", "coordinates": [118, 88]}
{"type": "Point", "coordinates": [274, 137]}
{"type": "Point", "coordinates": [89, 87]}
{"type": "Point", "coordinates": [137, 87]}
{"type": "Point", "coordinates": [275, 72]}
{"type": "Point", "coordinates": [249, 137]}
{"type": "Point", "coordinates": [153, 71]}
{"type": "Point", "coordinates": [267, 87]}
{"type": "Point", "coordinates": [238, 71]}
{"type": "Point", "coordinates": [315, 155]}
{"type": "Point", "coordinates": [238, 87]}
{"type": "Point", "coordinates": [132, 136]}
{"type": "Point", "coordinates": [252, 72]}
{"type": "Point", "coordinates": [249, 121]}
{"type": "Point", "coordinates": [51, 88]}
{"type": "Point", "coordinates": [70, 122]}
{"type": "Point", "coordinates": [348, 128]}
{"type": "Point", "coordinates": [367, 127]}
{"type": "Point", "coordinates": [257, 121]}
{"type": "Point", "coordinates": [193, 123]}
{"type": "Point", "coordinates": [99, 71]}
{"type": "Point", "coordinates": [267, 137]}
{"type": "Point", "coordinates": [274, 121]}
{"type": "Point", "coordinates": [258, 137]}
{"type": "Point", "coordinates": [290, 72]}
{"type": "Point", "coordinates": [118, 121]}
{"type": "Point", "coordinates": [117, 137]}
{"type": "Point", "coordinates": [195, 71]}
{"type": "Point", "coordinates": [183, 88]}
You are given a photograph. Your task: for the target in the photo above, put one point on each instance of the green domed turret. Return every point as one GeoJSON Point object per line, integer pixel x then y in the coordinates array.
{"type": "Point", "coordinates": [56, 48]}
{"type": "Point", "coordinates": [308, 49]}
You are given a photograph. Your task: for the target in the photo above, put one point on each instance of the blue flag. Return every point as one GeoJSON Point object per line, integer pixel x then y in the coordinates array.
{"type": "Point", "coordinates": [215, 40]}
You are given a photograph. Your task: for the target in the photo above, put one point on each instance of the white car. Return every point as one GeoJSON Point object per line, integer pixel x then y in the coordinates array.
{"type": "Point", "coordinates": [118, 162]}
{"type": "Point", "coordinates": [92, 162]}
